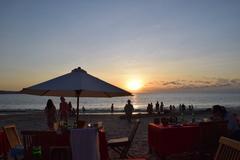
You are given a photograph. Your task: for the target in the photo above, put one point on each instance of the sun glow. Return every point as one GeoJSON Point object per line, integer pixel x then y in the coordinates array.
{"type": "Point", "coordinates": [134, 85]}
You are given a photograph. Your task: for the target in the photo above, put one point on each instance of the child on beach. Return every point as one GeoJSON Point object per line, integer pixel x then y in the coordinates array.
{"type": "Point", "coordinates": [50, 111]}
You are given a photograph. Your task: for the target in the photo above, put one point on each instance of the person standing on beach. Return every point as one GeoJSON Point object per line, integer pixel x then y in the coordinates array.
{"type": "Point", "coordinates": [161, 107]}
{"type": "Point", "coordinates": [83, 109]}
{"type": "Point", "coordinates": [128, 109]}
{"type": "Point", "coordinates": [157, 107]}
{"type": "Point", "coordinates": [63, 110]}
{"type": "Point", "coordinates": [50, 111]}
{"type": "Point", "coordinates": [70, 108]}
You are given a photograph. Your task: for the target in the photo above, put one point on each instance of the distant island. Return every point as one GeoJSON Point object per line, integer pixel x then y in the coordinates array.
{"type": "Point", "coordinates": [9, 92]}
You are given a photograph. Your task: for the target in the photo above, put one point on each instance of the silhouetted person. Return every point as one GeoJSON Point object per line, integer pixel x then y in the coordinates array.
{"type": "Point", "coordinates": [161, 107]}
{"type": "Point", "coordinates": [112, 108]}
{"type": "Point", "coordinates": [183, 107]}
{"type": "Point", "coordinates": [63, 110]}
{"type": "Point", "coordinates": [50, 111]}
{"type": "Point", "coordinates": [83, 109]}
{"type": "Point", "coordinates": [174, 108]}
{"type": "Point", "coordinates": [70, 108]}
{"type": "Point", "coordinates": [149, 108]}
{"type": "Point", "coordinates": [221, 114]}
{"type": "Point", "coordinates": [128, 109]}
{"type": "Point", "coordinates": [157, 107]}
{"type": "Point", "coordinates": [190, 107]}
{"type": "Point", "coordinates": [73, 111]}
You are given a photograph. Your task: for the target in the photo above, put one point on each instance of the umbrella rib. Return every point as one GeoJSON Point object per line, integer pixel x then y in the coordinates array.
{"type": "Point", "coordinates": [44, 92]}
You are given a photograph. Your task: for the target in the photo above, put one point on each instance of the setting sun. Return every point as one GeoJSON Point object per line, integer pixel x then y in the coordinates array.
{"type": "Point", "coordinates": [134, 85]}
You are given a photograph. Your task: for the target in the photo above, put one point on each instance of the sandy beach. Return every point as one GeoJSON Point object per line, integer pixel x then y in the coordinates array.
{"type": "Point", "coordinates": [114, 126]}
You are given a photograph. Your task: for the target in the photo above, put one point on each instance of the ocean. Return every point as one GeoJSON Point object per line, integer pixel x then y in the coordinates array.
{"type": "Point", "coordinates": [18, 102]}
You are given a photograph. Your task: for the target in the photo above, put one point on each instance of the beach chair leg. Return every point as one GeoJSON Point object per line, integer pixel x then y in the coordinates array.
{"type": "Point", "coordinates": [124, 152]}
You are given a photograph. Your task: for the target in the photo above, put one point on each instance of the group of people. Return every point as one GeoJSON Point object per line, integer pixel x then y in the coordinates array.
{"type": "Point", "coordinates": [158, 108]}
{"type": "Point", "coordinates": [65, 110]}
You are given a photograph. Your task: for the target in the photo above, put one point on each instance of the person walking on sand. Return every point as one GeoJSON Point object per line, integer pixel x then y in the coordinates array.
{"type": "Point", "coordinates": [112, 108]}
{"type": "Point", "coordinates": [63, 110]}
{"type": "Point", "coordinates": [128, 109]}
{"type": "Point", "coordinates": [50, 111]}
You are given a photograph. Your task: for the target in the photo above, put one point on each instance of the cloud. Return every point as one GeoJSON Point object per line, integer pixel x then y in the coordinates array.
{"type": "Point", "coordinates": [209, 84]}
{"type": "Point", "coordinates": [235, 81]}
{"type": "Point", "coordinates": [176, 83]}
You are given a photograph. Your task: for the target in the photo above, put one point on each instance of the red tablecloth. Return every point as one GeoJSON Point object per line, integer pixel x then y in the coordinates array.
{"type": "Point", "coordinates": [45, 139]}
{"type": "Point", "coordinates": [4, 146]}
{"type": "Point", "coordinates": [171, 140]}
{"type": "Point", "coordinates": [103, 145]}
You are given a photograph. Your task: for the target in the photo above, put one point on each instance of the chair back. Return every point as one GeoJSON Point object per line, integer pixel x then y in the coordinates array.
{"type": "Point", "coordinates": [12, 135]}
{"type": "Point", "coordinates": [124, 152]}
{"type": "Point", "coordinates": [84, 144]}
{"type": "Point", "coordinates": [133, 130]}
{"type": "Point", "coordinates": [228, 149]}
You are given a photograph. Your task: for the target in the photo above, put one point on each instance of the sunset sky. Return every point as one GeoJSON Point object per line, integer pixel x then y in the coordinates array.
{"type": "Point", "coordinates": [141, 45]}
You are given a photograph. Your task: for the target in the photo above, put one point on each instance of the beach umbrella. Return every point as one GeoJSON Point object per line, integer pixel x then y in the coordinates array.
{"type": "Point", "coordinates": [77, 83]}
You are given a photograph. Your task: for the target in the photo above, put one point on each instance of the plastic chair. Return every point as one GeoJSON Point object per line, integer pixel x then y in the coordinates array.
{"type": "Point", "coordinates": [16, 147]}
{"type": "Point", "coordinates": [228, 149]}
{"type": "Point", "coordinates": [122, 145]}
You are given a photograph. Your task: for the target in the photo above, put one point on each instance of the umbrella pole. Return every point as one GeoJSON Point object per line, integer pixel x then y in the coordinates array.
{"type": "Point", "coordinates": [77, 108]}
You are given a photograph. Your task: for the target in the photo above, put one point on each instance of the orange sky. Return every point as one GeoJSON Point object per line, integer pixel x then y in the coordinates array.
{"type": "Point", "coordinates": [162, 45]}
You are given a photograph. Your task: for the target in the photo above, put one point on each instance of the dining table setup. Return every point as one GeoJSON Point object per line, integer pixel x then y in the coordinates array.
{"type": "Point", "coordinates": [45, 144]}
{"type": "Point", "coordinates": [173, 139]}
{"type": "Point", "coordinates": [63, 143]}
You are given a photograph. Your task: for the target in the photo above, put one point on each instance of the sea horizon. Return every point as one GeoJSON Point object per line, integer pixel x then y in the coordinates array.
{"type": "Point", "coordinates": [20, 102]}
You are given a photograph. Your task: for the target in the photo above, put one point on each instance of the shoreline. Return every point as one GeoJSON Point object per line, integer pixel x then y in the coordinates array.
{"type": "Point", "coordinates": [107, 112]}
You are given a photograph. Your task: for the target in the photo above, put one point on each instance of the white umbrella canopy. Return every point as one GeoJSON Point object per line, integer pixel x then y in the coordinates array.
{"type": "Point", "coordinates": [77, 83]}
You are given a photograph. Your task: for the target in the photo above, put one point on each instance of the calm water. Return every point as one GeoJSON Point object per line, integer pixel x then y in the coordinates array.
{"type": "Point", "coordinates": [140, 101]}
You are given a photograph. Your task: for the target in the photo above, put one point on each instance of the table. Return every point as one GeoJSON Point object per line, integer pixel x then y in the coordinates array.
{"type": "Point", "coordinates": [172, 139]}
{"type": "Point", "coordinates": [46, 139]}
{"type": "Point", "coordinates": [4, 146]}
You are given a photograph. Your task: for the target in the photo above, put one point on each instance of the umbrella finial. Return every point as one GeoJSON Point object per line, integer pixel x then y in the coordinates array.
{"type": "Point", "coordinates": [78, 69]}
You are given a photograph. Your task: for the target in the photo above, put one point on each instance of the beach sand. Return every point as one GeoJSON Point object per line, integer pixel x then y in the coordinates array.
{"type": "Point", "coordinates": [113, 125]}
